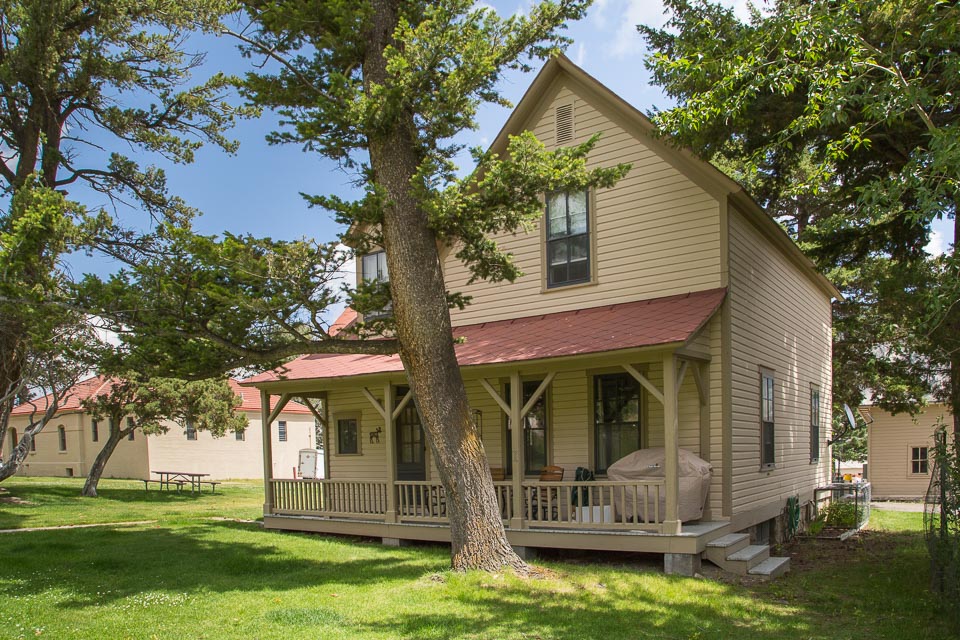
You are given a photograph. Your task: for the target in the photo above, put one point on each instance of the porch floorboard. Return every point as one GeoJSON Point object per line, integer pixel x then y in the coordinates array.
{"type": "Point", "coordinates": [693, 538]}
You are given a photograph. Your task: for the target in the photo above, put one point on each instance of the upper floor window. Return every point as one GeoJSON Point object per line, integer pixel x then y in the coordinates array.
{"type": "Point", "coordinates": [767, 431]}
{"type": "Point", "coordinates": [62, 436]}
{"type": "Point", "coordinates": [374, 268]}
{"type": "Point", "coordinates": [814, 423]}
{"type": "Point", "coordinates": [568, 238]}
{"type": "Point", "coordinates": [130, 425]}
{"type": "Point", "coordinates": [282, 431]}
{"type": "Point", "coordinates": [240, 435]}
{"type": "Point", "coordinates": [191, 431]}
{"type": "Point", "coordinates": [919, 460]}
{"type": "Point", "coordinates": [94, 431]}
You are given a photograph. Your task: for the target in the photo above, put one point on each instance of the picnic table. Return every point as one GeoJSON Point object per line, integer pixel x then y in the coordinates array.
{"type": "Point", "coordinates": [179, 479]}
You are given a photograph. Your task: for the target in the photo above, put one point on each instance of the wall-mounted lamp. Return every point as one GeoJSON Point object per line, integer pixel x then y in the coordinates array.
{"type": "Point", "coordinates": [478, 418]}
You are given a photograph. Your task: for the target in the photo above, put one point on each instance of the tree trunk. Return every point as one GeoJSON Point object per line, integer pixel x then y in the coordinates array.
{"type": "Point", "coordinates": [96, 470]}
{"type": "Point", "coordinates": [14, 461]}
{"type": "Point", "coordinates": [954, 324]}
{"type": "Point", "coordinates": [424, 329]}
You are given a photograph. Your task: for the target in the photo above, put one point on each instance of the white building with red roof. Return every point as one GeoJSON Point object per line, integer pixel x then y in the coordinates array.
{"type": "Point", "coordinates": [70, 442]}
{"type": "Point", "coordinates": [666, 313]}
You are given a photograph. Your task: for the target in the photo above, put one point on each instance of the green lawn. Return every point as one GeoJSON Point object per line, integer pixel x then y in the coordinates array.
{"type": "Point", "coordinates": [190, 576]}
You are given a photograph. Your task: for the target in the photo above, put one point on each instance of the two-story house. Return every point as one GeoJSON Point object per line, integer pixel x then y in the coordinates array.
{"type": "Point", "coordinates": [667, 313]}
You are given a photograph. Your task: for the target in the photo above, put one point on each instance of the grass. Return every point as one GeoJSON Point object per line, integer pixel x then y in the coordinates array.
{"type": "Point", "coordinates": [188, 576]}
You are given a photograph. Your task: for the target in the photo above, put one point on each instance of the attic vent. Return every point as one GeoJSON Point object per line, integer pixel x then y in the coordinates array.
{"type": "Point", "coordinates": [564, 119]}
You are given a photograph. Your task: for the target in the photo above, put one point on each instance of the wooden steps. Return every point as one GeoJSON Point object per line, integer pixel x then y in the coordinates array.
{"type": "Point", "coordinates": [733, 552]}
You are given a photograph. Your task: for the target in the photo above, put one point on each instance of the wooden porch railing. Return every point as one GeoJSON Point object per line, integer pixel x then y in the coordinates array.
{"type": "Point", "coordinates": [600, 505]}
{"type": "Point", "coordinates": [329, 497]}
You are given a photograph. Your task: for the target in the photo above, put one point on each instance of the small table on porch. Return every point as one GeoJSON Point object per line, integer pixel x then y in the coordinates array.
{"type": "Point", "coordinates": [180, 478]}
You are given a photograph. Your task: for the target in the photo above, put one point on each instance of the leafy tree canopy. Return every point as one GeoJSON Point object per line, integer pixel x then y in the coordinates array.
{"type": "Point", "coordinates": [842, 118]}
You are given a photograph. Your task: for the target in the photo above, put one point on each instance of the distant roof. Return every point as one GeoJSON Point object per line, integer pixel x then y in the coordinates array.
{"type": "Point", "coordinates": [95, 386]}
{"type": "Point", "coordinates": [343, 321]}
{"type": "Point", "coordinates": [672, 319]}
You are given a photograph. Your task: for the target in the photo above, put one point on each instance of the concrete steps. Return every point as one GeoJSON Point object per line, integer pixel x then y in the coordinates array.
{"type": "Point", "coordinates": [733, 552]}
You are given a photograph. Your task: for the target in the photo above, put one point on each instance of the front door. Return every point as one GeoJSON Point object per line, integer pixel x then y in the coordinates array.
{"type": "Point", "coordinates": [411, 449]}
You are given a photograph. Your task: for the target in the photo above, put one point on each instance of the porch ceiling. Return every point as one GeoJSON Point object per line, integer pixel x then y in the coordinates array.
{"type": "Point", "coordinates": [668, 320]}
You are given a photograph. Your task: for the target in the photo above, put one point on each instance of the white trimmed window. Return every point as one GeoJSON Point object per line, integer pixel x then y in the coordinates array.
{"type": "Point", "coordinates": [568, 238]}
{"type": "Point", "coordinates": [374, 268]}
{"type": "Point", "coordinates": [767, 425]}
{"type": "Point", "coordinates": [282, 431]}
{"type": "Point", "coordinates": [814, 423]}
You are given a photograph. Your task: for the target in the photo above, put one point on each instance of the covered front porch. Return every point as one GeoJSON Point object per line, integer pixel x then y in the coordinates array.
{"type": "Point", "coordinates": [581, 406]}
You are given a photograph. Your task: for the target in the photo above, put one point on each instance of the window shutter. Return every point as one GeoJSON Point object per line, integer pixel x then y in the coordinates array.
{"type": "Point", "coordinates": [564, 121]}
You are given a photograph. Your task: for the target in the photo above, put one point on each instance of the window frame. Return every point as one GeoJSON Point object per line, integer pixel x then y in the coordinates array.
{"type": "Point", "coordinates": [356, 417]}
{"type": "Point", "coordinates": [61, 438]}
{"type": "Point", "coordinates": [14, 437]}
{"type": "Point", "coordinates": [599, 425]}
{"type": "Point", "coordinates": [765, 403]}
{"type": "Point", "coordinates": [190, 431]}
{"type": "Point", "coordinates": [388, 311]}
{"type": "Point", "coordinates": [547, 431]}
{"type": "Point", "coordinates": [815, 415]}
{"type": "Point", "coordinates": [94, 431]}
{"type": "Point", "coordinates": [921, 460]}
{"type": "Point", "coordinates": [130, 424]}
{"type": "Point", "coordinates": [240, 436]}
{"type": "Point", "coordinates": [548, 284]}
{"type": "Point", "coordinates": [282, 432]}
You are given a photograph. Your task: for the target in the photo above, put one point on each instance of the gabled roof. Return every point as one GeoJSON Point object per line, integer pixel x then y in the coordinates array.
{"type": "Point", "coordinates": [646, 323]}
{"type": "Point", "coordinates": [700, 171]}
{"type": "Point", "coordinates": [100, 385]}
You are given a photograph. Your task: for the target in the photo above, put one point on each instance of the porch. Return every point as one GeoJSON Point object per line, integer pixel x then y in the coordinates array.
{"type": "Point", "coordinates": [660, 356]}
{"type": "Point", "coordinates": [599, 515]}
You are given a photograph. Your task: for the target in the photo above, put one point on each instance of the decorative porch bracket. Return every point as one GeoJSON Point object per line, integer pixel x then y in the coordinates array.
{"type": "Point", "coordinates": [277, 410]}
{"type": "Point", "coordinates": [517, 413]}
{"type": "Point", "coordinates": [642, 379]}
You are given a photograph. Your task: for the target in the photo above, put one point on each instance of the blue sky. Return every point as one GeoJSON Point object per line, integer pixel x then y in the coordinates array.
{"type": "Point", "coordinates": [256, 190]}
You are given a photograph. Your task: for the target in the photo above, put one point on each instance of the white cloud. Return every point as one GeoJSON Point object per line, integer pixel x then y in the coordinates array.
{"type": "Point", "coordinates": [620, 19]}
{"type": "Point", "coordinates": [938, 243]}
{"type": "Point", "coordinates": [580, 55]}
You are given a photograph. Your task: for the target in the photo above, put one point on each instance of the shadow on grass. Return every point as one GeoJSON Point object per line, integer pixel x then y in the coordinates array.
{"type": "Point", "coordinates": [97, 566]}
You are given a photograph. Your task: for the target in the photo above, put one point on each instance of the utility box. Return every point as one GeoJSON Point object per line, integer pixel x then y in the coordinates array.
{"type": "Point", "coordinates": [311, 464]}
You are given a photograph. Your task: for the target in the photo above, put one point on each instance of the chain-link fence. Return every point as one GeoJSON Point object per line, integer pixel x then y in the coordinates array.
{"type": "Point", "coordinates": [941, 519]}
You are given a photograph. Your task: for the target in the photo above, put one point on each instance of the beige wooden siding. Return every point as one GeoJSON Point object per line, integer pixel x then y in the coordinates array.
{"type": "Point", "coordinates": [780, 320]}
{"type": "Point", "coordinates": [656, 232]}
{"type": "Point", "coordinates": [227, 457]}
{"type": "Point", "coordinates": [371, 463]}
{"type": "Point", "coordinates": [889, 439]}
{"type": "Point", "coordinates": [570, 428]}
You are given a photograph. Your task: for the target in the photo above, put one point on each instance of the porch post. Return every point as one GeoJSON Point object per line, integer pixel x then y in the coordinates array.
{"type": "Point", "coordinates": [389, 421]}
{"type": "Point", "coordinates": [516, 435]}
{"type": "Point", "coordinates": [671, 523]}
{"type": "Point", "coordinates": [267, 453]}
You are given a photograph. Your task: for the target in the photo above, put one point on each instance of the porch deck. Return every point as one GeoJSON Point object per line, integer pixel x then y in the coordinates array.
{"type": "Point", "coordinates": [602, 515]}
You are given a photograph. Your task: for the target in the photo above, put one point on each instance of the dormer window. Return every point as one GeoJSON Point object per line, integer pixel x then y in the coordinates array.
{"type": "Point", "coordinates": [568, 238]}
{"type": "Point", "coordinates": [374, 268]}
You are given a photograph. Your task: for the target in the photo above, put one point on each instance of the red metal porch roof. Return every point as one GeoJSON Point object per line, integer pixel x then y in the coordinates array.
{"type": "Point", "coordinates": [569, 333]}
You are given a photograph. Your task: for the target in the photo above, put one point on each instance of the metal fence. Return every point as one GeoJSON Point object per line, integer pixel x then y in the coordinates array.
{"type": "Point", "coordinates": [849, 508]}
